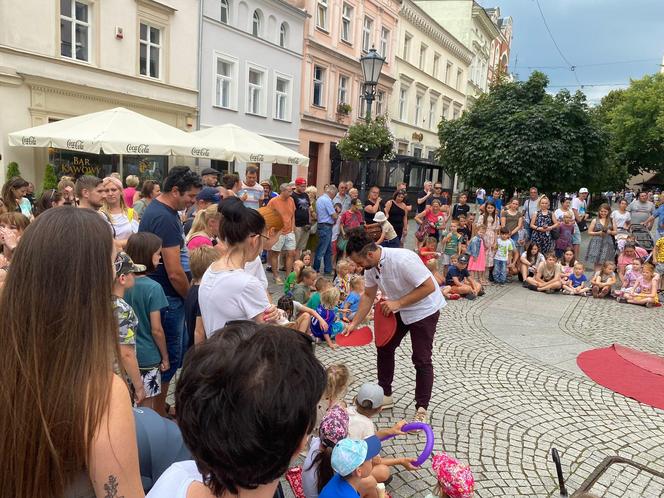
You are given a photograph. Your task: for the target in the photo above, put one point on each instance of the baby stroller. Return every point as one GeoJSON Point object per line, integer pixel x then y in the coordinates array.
{"type": "Point", "coordinates": [643, 237]}
{"type": "Point", "coordinates": [610, 466]}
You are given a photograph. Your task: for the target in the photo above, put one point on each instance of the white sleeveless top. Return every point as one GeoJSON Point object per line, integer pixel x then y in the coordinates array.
{"type": "Point", "coordinates": [175, 481]}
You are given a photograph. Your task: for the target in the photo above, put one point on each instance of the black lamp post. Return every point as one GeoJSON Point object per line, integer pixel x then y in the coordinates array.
{"type": "Point", "coordinates": [371, 63]}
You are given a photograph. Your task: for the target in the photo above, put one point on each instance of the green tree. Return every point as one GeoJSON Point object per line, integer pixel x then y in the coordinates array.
{"type": "Point", "coordinates": [12, 170]}
{"type": "Point", "coordinates": [634, 117]}
{"type": "Point", "coordinates": [363, 139]}
{"type": "Point", "coordinates": [518, 135]}
{"type": "Point", "coordinates": [50, 178]}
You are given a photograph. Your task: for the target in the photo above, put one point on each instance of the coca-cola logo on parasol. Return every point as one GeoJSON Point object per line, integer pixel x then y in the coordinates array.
{"type": "Point", "coordinates": [256, 158]}
{"type": "Point", "coordinates": [28, 141]}
{"type": "Point", "coordinates": [138, 148]}
{"type": "Point", "coordinates": [75, 144]}
{"type": "Point", "coordinates": [195, 151]}
{"type": "Point", "coordinates": [293, 160]}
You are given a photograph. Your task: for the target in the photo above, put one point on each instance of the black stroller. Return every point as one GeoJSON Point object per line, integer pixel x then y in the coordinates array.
{"type": "Point", "coordinates": [643, 237]}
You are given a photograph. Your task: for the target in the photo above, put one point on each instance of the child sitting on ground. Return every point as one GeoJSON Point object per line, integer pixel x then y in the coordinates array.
{"type": "Point", "coordinates": [338, 381]}
{"type": "Point", "coordinates": [352, 302]}
{"type": "Point", "coordinates": [127, 321]}
{"type": "Point", "coordinates": [320, 285]}
{"type": "Point", "coordinates": [428, 250]}
{"type": "Point", "coordinates": [547, 278]}
{"type": "Point", "coordinates": [352, 462]}
{"type": "Point", "coordinates": [630, 279]}
{"type": "Point", "coordinates": [455, 480]}
{"type": "Point", "coordinates": [567, 262]}
{"type": "Point", "coordinates": [293, 276]}
{"type": "Point", "coordinates": [200, 260]}
{"type": "Point", "coordinates": [294, 315]}
{"type": "Point", "coordinates": [343, 277]}
{"type": "Point", "coordinates": [627, 256]}
{"type": "Point", "coordinates": [460, 280]}
{"type": "Point", "coordinates": [328, 327]}
{"type": "Point", "coordinates": [440, 280]}
{"type": "Point", "coordinates": [305, 281]}
{"type": "Point", "coordinates": [306, 257]}
{"type": "Point", "coordinates": [477, 253]}
{"type": "Point", "coordinates": [574, 285]}
{"type": "Point", "coordinates": [645, 293]}
{"type": "Point", "coordinates": [604, 280]}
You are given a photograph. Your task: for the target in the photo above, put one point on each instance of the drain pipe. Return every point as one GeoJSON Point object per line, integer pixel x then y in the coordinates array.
{"type": "Point", "coordinates": [199, 77]}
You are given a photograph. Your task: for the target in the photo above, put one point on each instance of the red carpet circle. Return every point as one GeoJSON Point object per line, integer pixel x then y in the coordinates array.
{"type": "Point", "coordinates": [358, 337]}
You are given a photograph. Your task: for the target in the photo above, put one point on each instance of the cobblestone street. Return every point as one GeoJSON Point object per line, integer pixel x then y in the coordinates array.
{"type": "Point", "coordinates": [501, 408]}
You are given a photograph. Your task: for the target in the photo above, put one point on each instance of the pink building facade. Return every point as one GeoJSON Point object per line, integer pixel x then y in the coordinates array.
{"type": "Point", "coordinates": [337, 34]}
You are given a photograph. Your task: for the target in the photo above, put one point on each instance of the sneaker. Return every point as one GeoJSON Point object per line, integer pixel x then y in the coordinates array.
{"type": "Point", "coordinates": [471, 296]}
{"type": "Point", "coordinates": [421, 415]}
{"type": "Point", "coordinates": [622, 299]}
{"type": "Point", "coordinates": [481, 293]}
{"type": "Point", "coordinates": [525, 284]}
{"type": "Point", "coordinates": [650, 305]}
{"type": "Point", "coordinates": [388, 402]}
{"type": "Point", "coordinates": [532, 287]}
{"type": "Point", "coordinates": [567, 293]}
{"type": "Point", "coordinates": [278, 281]}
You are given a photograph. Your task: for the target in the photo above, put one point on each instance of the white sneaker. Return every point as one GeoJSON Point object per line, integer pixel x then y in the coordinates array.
{"type": "Point", "coordinates": [421, 415]}
{"type": "Point", "coordinates": [388, 403]}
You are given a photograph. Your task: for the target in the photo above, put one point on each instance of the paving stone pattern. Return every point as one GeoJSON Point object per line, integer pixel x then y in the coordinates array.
{"type": "Point", "coordinates": [502, 410]}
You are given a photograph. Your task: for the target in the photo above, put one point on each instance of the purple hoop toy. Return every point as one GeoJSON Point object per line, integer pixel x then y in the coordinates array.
{"type": "Point", "coordinates": [428, 447]}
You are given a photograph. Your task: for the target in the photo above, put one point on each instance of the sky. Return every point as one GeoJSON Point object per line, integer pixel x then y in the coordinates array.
{"type": "Point", "coordinates": [587, 32]}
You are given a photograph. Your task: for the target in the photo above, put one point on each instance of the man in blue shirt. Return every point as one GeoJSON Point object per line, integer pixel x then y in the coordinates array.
{"type": "Point", "coordinates": [659, 214]}
{"type": "Point", "coordinates": [351, 462]}
{"type": "Point", "coordinates": [326, 216]}
{"type": "Point", "coordinates": [497, 200]}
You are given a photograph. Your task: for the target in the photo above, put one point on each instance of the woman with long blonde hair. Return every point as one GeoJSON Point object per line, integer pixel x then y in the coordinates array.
{"type": "Point", "coordinates": [205, 228]}
{"type": "Point", "coordinates": [117, 212]}
{"type": "Point", "coordinates": [67, 425]}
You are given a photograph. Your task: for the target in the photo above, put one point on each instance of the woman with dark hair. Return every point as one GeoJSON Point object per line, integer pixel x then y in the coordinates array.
{"type": "Point", "coordinates": [397, 213]}
{"type": "Point", "coordinates": [149, 191]}
{"type": "Point", "coordinates": [228, 292]}
{"type": "Point", "coordinates": [246, 403]}
{"type": "Point", "coordinates": [70, 430]}
{"type": "Point", "coordinates": [14, 196]}
{"type": "Point", "coordinates": [49, 199]}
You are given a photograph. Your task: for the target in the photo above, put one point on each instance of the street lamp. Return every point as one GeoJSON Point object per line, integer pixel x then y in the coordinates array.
{"type": "Point", "coordinates": [371, 63]}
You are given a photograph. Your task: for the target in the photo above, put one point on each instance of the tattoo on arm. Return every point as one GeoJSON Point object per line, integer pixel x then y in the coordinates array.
{"type": "Point", "coordinates": [111, 487]}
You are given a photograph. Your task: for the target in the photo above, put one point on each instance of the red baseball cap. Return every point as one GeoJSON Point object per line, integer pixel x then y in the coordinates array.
{"type": "Point", "coordinates": [300, 181]}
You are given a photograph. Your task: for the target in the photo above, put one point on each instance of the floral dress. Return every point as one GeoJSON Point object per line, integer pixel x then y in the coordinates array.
{"type": "Point", "coordinates": [489, 237]}
{"type": "Point", "coordinates": [543, 239]}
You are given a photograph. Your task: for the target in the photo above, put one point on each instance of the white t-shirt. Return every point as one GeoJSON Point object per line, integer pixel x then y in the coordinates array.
{"type": "Point", "coordinates": [310, 475]}
{"type": "Point", "coordinates": [254, 195]}
{"type": "Point", "coordinates": [359, 426]}
{"type": "Point", "coordinates": [229, 295]}
{"type": "Point", "coordinates": [256, 269]}
{"type": "Point", "coordinates": [529, 208]}
{"type": "Point", "coordinates": [579, 205]}
{"type": "Point", "coordinates": [397, 274]}
{"type": "Point", "coordinates": [640, 211]}
{"type": "Point", "coordinates": [480, 193]}
{"type": "Point", "coordinates": [175, 481]}
{"type": "Point", "coordinates": [122, 226]}
{"type": "Point", "coordinates": [559, 214]}
{"type": "Point", "coordinates": [619, 219]}
{"type": "Point", "coordinates": [539, 259]}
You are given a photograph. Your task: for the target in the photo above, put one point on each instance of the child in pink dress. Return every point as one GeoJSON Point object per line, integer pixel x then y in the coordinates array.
{"type": "Point", "coordinates": [477, 262]}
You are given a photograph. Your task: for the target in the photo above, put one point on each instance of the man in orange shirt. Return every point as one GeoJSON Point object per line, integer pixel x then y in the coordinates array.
{"type": "Point", "coordinates": [285, 206]}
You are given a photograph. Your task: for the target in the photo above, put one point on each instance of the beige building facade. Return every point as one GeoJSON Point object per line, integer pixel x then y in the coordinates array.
{"type": "Point", "coordinates": [63, 58]}
{"type": "Point", "coordinates": [432, 67]}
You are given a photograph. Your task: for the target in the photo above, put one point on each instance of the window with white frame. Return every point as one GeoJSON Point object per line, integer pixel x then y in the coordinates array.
{"type": "Point", "coordinates": [225, 12]}
{"type": "Point", "coordinates": [403, 103]}
{"type": "Point", "coordinates": [406, 46]}
{"type": "Point", "coordinates": [456, 112]}
{"type": "Point", "coordinates": [256, 24]}
{"type": "Point", "coordinates": [448, 71]}
{"type": "Point", "coordinates": [459, 79]}
{"type": "Point", "coordinates": [446, 110]}
{"type": "Point", "coordinates": [367, 27]}
{"type": "Point", "coordinates": [380, 101]}
{"type": "Point", "coordinates": [282, 99]}
{"type": "Point", "coordinates": [343, 90]}
{"type": "Point", "coordinates": [321, 14]}
{"type": "Point", "coordinates": [423, 56]}
{"type": "Point", "coordinates": [319, 86]}
{"type": "Point", "coordinates": [150, 51]}
{"type": "Point", "coordinates": [256, 91]}
{"type": "Point", "coordinates": [226, 81]}
{"type": "Point", "coordinates": [283, 35]}
{"type": "Point", "coordinates": [385, 43]}
{"type": "Point", "coordinates": [418, 110]}
{"type": "Point", "coordinates": [347, 23]}
{"type": "Point", "coordinates": [363, 104]}
{"type": "Point", "coordinates": [436, 64]}
{"type": "Point", "coordinates": [75, 30]}
{"type": "Point", "coordinates": [432, 113]}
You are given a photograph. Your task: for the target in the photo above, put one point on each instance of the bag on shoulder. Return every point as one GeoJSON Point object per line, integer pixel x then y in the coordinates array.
{"type": "Point", "coordinates": [423, 231]}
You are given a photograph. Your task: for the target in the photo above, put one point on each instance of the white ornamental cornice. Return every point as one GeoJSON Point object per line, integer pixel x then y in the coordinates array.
{"type": "Point", "coordinates": [418, 18]}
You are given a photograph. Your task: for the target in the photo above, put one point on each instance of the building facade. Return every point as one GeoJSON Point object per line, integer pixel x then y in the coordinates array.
{"type": "Point", "coordinates": [432, 67]}
{"type": "Point", "coordinates": [251, 72]}
{"type": "Point", "coordinates": [336, 34]}
{"type": "Point", "coordinates": [500, 46]}
{"type": "Point", "coordinates": [62, 58]}
{"type": "Point", "coordinates": [471, 24]}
